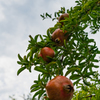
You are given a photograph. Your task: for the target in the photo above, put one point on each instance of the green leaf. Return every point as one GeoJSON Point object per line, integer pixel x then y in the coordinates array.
{"type": "Point", "coordinates": [76, 82]}
{"type": "Point", "coordinates": [40, 45]}
{"type": "Point", "coordinates": [76, 1]}
{"type": "Point", "coordinates": [50, 64]}
{"type": "Point", "coordinates": [88, 74]}
{"type": "Point", "coordinates": [48, 34]}
{"type": "Point", "coordinates": [43, 16]}
{"type": "Point", "coordinates": [25, 59]}
{"type": "Point", "coordinates": [55, 14]}
{"type": "Point", "coordinates": [65, 43]}
{"type": "Point", "coordinates": [95, 60]}
{"type": "Point", "coordinates": [40, 70]}
{"type": "Point", "coordinates": [86, 83]}
{"type": "Point", "coordinates": [35, 81]}
{"type": "Point", "coordinates": [36, 37]}
{"type": "Point", "coordinates": [82, 63]}
{"type": "Point", "coordinates": [85, 26]}
{"type": "Point", "coordinates": [84, 88]}
{"type": "Point", "coordinates": [87, 67]}
{"type": "Point", "coordinates": [22, 63]}
{"type": "Point", "coordinates": [41, 93]}
{"type": "Point", "coordinates": [96, 66]}
{"type": "Point", "coordinates": [71, 70]}
{"type": "Point", "coordinates": [34, 85]}
{"type": "Point", "coordinates": [47, 15]}
{"type": "Point", "coordinates": [20, 58]}
{"type": "Point", "coordinates": [20, 70]}
{"type": "Point", "coordinates": [91, 40]}
{"type": "Point", "coordinates": [39, 77]}
{"type": "Point", "coordinates": [32, 51]}
{"type": "Point", "coordinates": [35, 89]}
{"type": "Point", "coordinates": [28, 55]}
{"type": "Point", "coordinates": [98, 52]}
{"type": "Point", "coordinates": [41, 38]}
{"type": "Point", "coordinates": [32, 40]}
{"type": "Point", "coordinates": [75, 76]}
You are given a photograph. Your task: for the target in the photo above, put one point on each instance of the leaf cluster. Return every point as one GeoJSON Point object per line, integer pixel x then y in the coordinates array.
{"type": "Point", "coordinates": [87, 93]}
{"type": "Point", "coordinates": [77, 58]}
{"type": "Point", "coordinates": [85, 13]}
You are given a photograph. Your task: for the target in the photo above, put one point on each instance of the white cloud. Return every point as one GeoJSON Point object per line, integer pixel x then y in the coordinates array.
{"type": "Point", "coordinates": [2, 16]}
{"type": "Point", "coordinates": [11, 2]}
{"type": "Point", "coordinates": [10, 83]}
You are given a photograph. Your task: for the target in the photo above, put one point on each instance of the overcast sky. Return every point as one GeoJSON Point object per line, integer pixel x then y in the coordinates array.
{"type": "Point", "coordinates": [18, 20]}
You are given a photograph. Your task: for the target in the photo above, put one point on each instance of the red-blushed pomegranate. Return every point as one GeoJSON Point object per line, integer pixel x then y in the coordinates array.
{"type": "Point", "coordinates": [60, 88]}
{"type": "Point", "coordinates": [46, 52]}
{"type": "Point", "coordinates": [63, 16]}
{"type": "Point", "coordinates": [58, 36]}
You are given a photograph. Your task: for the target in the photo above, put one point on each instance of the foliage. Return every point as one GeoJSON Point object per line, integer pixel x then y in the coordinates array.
{"type": "Point", "coordinates": [88, 92]}
{"type": "Point", "coordinates": [77, 58]}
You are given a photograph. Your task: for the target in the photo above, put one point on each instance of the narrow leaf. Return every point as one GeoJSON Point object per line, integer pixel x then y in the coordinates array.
{"type": "Point", "coordinates": [35, 89]}
{"type": "Point", "coordinates": [98, 52]}
{"type": "Point", "coordinates": [76, 82]}
{"type": "Point", "coordinates": [36, 37]}
{"type": "Point", "coordinates": [22, 63]}
{"type": "Point", "coordinates": [32, 40]}
{"type": "Point", "coordinates": [65, 43]}
{"type": "Point", "coordinates": [20, 70]}
{"type": "Point", "coordinates": [71, 70]}
{"type": "Point", "coordinates": [41, 38]}
{"type": "Point", "coordinates": [86, 83]}
{"type": "Point", "coordinates": [95, 60]}
{"type": "Point", "coordinates": [34, 85]}
{"type": "Point", "coordinates": [37, 93]}
{"type": "Point", "coordinates": [40, 69]}
{"type": "Point", "coordinates": [96, 66]}
{"type": "Point", "coordinates": [75, 76]}
{"type": "Point", "coordinates": [41, 93]}
{"type": "Point", "coordinates": [20, 58]}
{"type": "Point", "coordinates": [50, 64]}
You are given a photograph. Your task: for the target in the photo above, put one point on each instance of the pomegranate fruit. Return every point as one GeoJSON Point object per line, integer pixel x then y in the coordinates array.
{"type": "Point", "coordinates": [46, 52]}
{"type": "Point", "coordinates": [58, 36]}
{"type": "Point", "coordinates": [63, 16]}
{"type": "Point", "coordinates": [60, 88]}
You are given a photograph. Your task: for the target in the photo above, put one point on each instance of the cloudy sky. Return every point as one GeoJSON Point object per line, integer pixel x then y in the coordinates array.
{"type": "Point", "coordinates": [18, 20]}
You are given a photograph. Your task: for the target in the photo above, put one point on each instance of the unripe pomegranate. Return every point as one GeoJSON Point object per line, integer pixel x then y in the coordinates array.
{"type": "Point", "coordinates": [60, 88]}
{"type": "Point", "coordinates": [58, 36]}
{"type": "Point", "coordinates": [63, 16]}
{"type": "Point", "coordinates": [46, 52]}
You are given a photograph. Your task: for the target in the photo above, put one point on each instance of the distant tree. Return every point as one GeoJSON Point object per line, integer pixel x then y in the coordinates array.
{"type": "Point", "coordinates": [76, 58]}
{"type": "Point", "coordinates": [24, 97]}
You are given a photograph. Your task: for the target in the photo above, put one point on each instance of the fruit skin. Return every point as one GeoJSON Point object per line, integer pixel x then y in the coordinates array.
{"type": "Point", "coordinates": [63, 16]}
{"type": "Point", "coordinates": [46, 51]}
{"type": "Point", "coordinates": [58, 36]}
{"type": "Point", "coordinates": [60, 88]}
